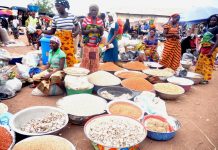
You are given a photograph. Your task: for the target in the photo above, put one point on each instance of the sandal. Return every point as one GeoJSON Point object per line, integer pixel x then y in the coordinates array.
{"type": "Point", "coordinates": [204, 82]}
{"type": "Point", "coordinates": [32, 86]}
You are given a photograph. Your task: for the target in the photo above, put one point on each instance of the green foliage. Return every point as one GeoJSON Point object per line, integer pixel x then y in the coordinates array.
{"type": "Point", "coordinates": [45, 6]}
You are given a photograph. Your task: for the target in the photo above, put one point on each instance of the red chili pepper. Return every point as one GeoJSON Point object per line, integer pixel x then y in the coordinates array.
{"type": "Point", "coordinates": [5, 139]}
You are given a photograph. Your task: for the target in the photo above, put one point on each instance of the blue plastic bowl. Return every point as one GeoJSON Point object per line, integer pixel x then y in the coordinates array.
{"type": "Point", "coordinates": [33, 8]}
{"type": "Point", "coordinates": [158, 136]}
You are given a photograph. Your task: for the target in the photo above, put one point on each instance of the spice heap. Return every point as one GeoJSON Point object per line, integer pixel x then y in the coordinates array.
{"type": "Point", "coordinates": [137, 84]}
{"type": "Point", "coordinates": [47, 142]}
{"type": "Point", "coordinates": [125, 109]}
{"type": "Point", "coordinates": [5, 139]}
{"type": "Point", "coordinates": [109, 66]}
{"type": "Point", "coordinates": [135, 65]}
{"type": "Point", "coordinates": [156, 125]}
{"type": "Point", "coordinates": [130, 74]}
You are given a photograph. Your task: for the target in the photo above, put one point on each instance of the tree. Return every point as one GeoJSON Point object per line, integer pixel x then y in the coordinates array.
{"type": "Point", "coordinates": [45, 6]}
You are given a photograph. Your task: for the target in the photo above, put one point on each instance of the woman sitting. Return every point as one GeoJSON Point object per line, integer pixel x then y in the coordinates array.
{"type": "Point", "coordinates": [53, 75]}
{"type": "Point", "coordinates": [151, 47]}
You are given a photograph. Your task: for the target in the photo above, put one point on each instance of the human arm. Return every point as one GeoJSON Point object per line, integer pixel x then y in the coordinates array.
{"type": "Point", "coordinates": [214, 47]}
{"type": "Point", "coordinates": [61, 67]}
{"type": "Point", "coordinates": [76, 31]}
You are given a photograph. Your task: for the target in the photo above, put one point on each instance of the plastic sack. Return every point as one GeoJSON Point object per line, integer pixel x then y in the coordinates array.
{"type": "Point", "coordinates": [23, 70]}
{"type": "Point", "coordinates": [14, 84]}
{"type": "Point", "coordinates": [4, 118]}
{"type": "Point", "coordinates": [6, 90]}
{"type": "Point", "coordinates": [55, 90]}
{"type": "Point", "coordinates": [31, 60]}
{"type": "Point", "coordinates": [151, 104]}
{"type": "Point", "coordinates": [4, 55]}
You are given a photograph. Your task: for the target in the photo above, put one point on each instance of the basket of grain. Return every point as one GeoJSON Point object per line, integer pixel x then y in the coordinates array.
{"type": "Point", "coordinates": [46, 142]}
{"type": "Point", "coordinates": [168, 91]}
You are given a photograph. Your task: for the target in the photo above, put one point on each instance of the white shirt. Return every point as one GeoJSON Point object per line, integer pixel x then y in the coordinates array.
{"type": "Point", "coordinates": [15, 23]}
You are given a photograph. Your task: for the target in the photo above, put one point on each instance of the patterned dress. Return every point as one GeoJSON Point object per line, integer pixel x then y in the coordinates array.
{"type": "Point", "coordinates": [64, 28]}
{"type": "Point", "coordinates": [205, 64]}
{"type": "Point", "coordinates": [172, 49]}
{"type": "Point", "coordinates": [151, 50]}
{"type": "Point", "coordinates": [90, 56]}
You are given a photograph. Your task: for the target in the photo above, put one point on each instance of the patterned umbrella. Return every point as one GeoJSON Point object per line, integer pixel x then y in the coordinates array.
{"type": "Point", "coordinates": [5, 12]}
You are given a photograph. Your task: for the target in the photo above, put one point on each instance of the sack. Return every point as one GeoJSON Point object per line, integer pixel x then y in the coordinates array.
{"type": "Point", "coordinates": [23, 70]}
{"type": "Point", "coordinates": [55, 90]}
{"type": "Point", "coordinates": [14, 84]}
{"type": "Point", "coordinates": [31, 60]}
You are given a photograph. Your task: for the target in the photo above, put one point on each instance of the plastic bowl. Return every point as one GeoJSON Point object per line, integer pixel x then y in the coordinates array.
{"type": "Point", "coordinates": [186, 84]}
{"type": "Point", "coordinates": [118, 72]}
{"type": "Point", "coordinates": [100, 146]}
{"type": "Point", "coordinates": [12, 133]}
{"type": "Point", "coordinates": [72, 147]}
{"type": "Point", "coordinates": [125, 101]}
{"type": "Point", "coordinates": [77, 119]}
{"type": "Point", "coordinates": [174, 123]}
{"type": "Point", "coordinates": [25, 115]}
{"type": "Point", "coordinates": [197, 78]}
{"type": "Point", "coordinates": [72, 92]}
{"type": "Point", "coordinates": [168, 96]}
{"type": "Point", "coordinates": [116, 91]}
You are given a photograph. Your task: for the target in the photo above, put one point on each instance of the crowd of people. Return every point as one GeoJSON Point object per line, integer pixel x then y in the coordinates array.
{"type": "Point", "coordinates": [67, 29]}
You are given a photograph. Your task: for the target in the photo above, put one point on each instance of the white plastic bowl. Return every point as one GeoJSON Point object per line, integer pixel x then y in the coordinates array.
{"type": "Point", "coordinates": [25, 115]}
{"type": "Point", "coordinates": [183, 82]}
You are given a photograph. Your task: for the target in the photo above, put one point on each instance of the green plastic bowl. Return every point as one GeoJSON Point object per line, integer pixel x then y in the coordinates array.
{"type": "Point", "coordinates": [73, 92]}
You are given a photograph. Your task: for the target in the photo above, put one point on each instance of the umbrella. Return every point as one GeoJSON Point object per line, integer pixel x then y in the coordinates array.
{"type": "Point", "coordinates": [198, 13]}
{"type": "Point", "coordinates": [5, 12]}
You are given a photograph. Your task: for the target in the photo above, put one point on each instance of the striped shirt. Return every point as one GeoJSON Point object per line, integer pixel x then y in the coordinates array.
{"type": "Point", "coordinates": [67, 23]}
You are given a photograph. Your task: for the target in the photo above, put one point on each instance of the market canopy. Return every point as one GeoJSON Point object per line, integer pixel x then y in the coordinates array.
{"type": "Point", "coordinates": [198, 14]}
{"type": "Point", "coordinates": [5, 12]}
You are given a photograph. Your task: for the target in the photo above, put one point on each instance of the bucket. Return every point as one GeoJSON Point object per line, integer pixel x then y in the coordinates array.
{"type": "Point", "coordinates": [73, 92]}
{"type": "Point", "coordinates": [45, 44]}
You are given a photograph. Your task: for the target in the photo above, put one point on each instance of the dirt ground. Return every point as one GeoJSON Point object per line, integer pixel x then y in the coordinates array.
{"type": "Point", "coordinates": [197, 110]}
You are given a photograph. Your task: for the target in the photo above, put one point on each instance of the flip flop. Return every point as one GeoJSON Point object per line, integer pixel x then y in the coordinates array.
{"type": "Point", "coordinates": [32, 86]}
{"type": "Point", "coordinates": [204, 82]}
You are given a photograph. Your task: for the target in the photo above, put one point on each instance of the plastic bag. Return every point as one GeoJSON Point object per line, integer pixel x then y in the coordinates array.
{"type": "Point", "coordinates": [23, 70]}
{"type": "Point", "coordinates": [14, 84]}
{"type": "Point", "coordinates": [151, 104]}
{"type": "Point", "coordinates": [31, 60]}
{"type": "Point", "coordinates": [6, 90]}
{"type": "Point", "coordinates": [4, 55]}
{"type": "Point", "coordinates": [4, 118]}
{"type": "Point", "coordinates": [55, 90]}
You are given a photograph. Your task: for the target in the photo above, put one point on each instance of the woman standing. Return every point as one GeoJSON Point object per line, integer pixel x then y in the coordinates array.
{"type": "Point", "coordinates": [172, 48]}
{"type": "Point", "coordinates": [66, 27]}
{"type": "Point", "coordinates": [208, 51]}
{"type": "Point", "coordinates": [151, 47]}
{"type": "Point", "coordinates": [92, 30]}
{"type": "Point", "coordinates": [111, 55]}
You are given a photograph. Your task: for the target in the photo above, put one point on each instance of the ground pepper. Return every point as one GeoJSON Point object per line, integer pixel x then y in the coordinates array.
{"type": "Point", "coordinates": [137, 84]}
{"type": "Point", "coordinates": [135, 65]}
{"type": "Point", "coordinates": [131, 74]}
{"type": "Point", "coordinates": [109, 66]}
{"type": "Point", "coordinates": [5, 139]}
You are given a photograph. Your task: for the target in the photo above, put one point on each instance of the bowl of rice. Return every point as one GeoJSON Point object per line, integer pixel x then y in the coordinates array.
{"type": "Point", "coordinates": [168, 91]}
{"type": "Point", "coordinates": [82, 107]}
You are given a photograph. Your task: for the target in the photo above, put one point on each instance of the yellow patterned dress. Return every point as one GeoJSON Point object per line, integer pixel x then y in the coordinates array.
{"type": "Point", "coordinates": [67, 45]}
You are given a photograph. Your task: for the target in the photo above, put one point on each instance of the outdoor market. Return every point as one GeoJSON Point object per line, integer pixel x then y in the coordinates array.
{"type": "Point", "coordinates": [107, 80]}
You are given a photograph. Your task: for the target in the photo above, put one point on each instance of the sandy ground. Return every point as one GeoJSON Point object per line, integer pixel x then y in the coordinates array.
{"type": "Point", "coordinates": [197, 110]}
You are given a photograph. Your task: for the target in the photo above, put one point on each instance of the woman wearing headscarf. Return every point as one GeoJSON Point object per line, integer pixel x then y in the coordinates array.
{"type": "Point", "coordinates": [66, 27]}
{"type": "Point", "coordinates": [172, 48]}
{"type": "Point", "coordinates": [92, 30]}
{"type": "Point", "coordinates": [111, 55]}
{"type": "Point", "coordinates": [54, 69]}
{"type": "Point", "coordinates": [151, 44]}
{"type": "Point", "coordinates": [208, 51]}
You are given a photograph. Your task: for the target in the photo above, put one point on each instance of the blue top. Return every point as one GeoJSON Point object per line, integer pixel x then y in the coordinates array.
{"type": "Point", "coordinates": [151, 42]}
{"type": "Point", "coordinates": [111, 55]}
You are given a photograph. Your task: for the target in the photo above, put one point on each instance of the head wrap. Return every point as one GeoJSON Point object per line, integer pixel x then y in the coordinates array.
{"type": "Point", "coordinates": [113, 15]}
{"type": "Point", "coordinates": [56, 40]}
{"type": "Point", "coordinates": [65, 3]}
{"type": "Point", "coordinates": [94, 5]}
{"type": "Point", "coordinates": [175, 16]}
